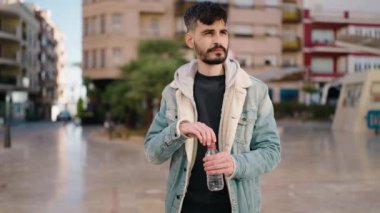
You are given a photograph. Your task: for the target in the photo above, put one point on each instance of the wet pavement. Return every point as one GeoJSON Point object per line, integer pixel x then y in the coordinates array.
{"type": "Point", "coordinates": [53, 167]}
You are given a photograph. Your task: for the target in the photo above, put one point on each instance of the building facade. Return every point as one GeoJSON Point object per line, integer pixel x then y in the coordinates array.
{"type": "Point", "coordinates": [330, 51]}
{"type": "Point", "coordinates": [112, 30]}
{"type": "Point", "coordinates": [52, 59]}
{"type": "Point", "coordinates": [19, 50]}
{"type": "Point", "coordinates": [28, 64]}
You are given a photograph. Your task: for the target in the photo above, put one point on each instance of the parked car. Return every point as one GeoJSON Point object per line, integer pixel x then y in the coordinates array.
{"type": "Point", "coordinates": [64, 116]}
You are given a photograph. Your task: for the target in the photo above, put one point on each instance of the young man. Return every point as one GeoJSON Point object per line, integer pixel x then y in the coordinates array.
{"type": "Point", "coordinates": [213, 100]}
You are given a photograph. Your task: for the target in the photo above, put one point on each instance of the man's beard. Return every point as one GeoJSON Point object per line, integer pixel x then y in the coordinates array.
{"type": "Point", "coordinates": [204, 56]}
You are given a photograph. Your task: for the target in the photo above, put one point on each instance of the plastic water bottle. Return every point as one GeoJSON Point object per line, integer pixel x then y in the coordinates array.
{"type": "Point", "coordinates": [214, 182]}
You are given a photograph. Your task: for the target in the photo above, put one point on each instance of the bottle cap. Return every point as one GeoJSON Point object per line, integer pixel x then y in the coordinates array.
{"type": "Point", "coordinates": [211, 146]}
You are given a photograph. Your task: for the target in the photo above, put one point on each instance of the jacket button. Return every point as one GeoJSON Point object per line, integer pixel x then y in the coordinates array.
{"type": "Point", "coordinates": [185, 169]}
{"type": "Point", "coordinates": [178, 196]}
{"type": "Point", "coordinates": [175, 117]}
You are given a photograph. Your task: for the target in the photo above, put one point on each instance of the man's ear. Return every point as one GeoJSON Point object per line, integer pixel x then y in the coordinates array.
{"type": "Point", "coordinates": [189, 39]}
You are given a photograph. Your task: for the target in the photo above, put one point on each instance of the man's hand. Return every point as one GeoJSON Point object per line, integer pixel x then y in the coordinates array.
{"type": "Point", "coordinates": [220, 163]}
{"type": "Point", "coordinates": [205, 134]}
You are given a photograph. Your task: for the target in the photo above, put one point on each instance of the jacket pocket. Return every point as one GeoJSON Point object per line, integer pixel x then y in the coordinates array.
{"type": "Point", "coordinates": [244, 129]}
{"type": "Point", "coordinates": [171, 115]}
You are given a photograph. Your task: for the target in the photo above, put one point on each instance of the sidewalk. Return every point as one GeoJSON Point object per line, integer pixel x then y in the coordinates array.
{"type": "Point", "coordinates": [54, 168]}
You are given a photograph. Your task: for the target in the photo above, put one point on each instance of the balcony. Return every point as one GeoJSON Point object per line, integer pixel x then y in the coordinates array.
{"type": "Point", "coordinates": [9, 29]}
{"type": "Point", "coordinates": [8, 80]}
{"type": "Point", "coordinates": [291, 14]}
{"type": "Point", "coordinates": [291, 45]}
{"type": "Point", "coordinates": [10, 59]}
{"type": "Point", "coordinates": [360, 38]}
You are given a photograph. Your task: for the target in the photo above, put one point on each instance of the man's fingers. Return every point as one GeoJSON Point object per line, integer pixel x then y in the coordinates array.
{"type": "Point", "coordinates": [218, 166]}
{"type": "Point", "coordinates": [202, 132]}
{"type": "Point", "coordinates": [208, 132]}
{"type": "Point", "coordinates": [205, 134]}
{"type": "Point", "coordinates": [219, 171]}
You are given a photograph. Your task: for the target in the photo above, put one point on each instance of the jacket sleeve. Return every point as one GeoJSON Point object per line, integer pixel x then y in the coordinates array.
{"type": "Point", "coordinates": [162, 140]}
{"type": "Point", "coordinates": [265, 145]}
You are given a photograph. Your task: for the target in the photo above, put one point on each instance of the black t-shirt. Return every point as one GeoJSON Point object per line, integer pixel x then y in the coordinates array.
{"type": "Point", "coordinates": [208, 96]}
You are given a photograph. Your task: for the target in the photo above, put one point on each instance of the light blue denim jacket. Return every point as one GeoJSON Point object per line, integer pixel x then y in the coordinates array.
{"type": "Point", "coordinates": [255, 145]}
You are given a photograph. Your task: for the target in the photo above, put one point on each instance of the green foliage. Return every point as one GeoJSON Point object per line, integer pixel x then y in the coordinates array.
{"type": "Point", "coordinates": [134, 98]}
{"type": "Point", "coordinates": [80, 107]}
{"type": "Point", "coordinates": [301, 111]}
{"type": "Point", "coordinates": [310, 89]}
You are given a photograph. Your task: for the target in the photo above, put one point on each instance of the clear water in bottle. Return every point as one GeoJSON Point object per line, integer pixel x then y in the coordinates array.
{"type": "Point", "coordinates": [214, 182]}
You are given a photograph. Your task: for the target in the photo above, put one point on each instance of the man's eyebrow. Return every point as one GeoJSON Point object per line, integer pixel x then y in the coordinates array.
{"type": "Point", "coordinates": [208, 31]}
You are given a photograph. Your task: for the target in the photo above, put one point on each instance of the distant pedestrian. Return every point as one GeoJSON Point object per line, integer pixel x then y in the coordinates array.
{"type": "Point", "coordinates": [213, 100]}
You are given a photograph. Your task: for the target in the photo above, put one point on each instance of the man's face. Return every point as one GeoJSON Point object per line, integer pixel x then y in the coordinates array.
{"type": "Point", "coordinates": [210, 42]}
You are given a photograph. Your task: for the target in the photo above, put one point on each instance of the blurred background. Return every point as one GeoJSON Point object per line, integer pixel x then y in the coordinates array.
{"type": "Point", "coordinates": [80, 82]}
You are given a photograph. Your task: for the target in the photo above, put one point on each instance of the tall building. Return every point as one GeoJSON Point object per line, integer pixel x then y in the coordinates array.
{"type": "Point", "coordinates": [52, 66]}
{"type": "Point", "coordinates": [287, 82]}
{"type": "Point", "coordinates": [29, 64]}
{"type": "Point", "coordinates": [113, 29]}
{"type": "Point", "coordinates": [19, 50]}
{"type": "Point", "coordinates": [335, 45]}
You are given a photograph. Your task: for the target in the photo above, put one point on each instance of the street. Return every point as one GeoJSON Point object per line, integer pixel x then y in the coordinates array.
{"type": "Point", "coordinates": [53, 167]}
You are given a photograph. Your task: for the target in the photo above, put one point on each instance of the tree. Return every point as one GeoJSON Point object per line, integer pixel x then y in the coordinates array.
{"type": "Point", "coordinates": [144, 79]}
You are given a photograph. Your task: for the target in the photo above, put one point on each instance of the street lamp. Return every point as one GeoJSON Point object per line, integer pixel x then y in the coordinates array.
{"type": "Point", "coordinates": [7, 121]}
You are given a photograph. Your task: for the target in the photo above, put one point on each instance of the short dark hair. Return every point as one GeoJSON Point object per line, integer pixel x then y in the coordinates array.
{"type": "Point", "coordinates": [206, 12]}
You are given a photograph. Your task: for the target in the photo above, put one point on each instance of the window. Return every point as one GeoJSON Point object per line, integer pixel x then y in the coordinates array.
{"type": "Point", "coordinates": [102, 58]}
{"type": "Point", "coordinates": [289, 34]}
{"type": "Point", "coordinates": [244, 60]}
{"type": "Point", "coordinates": [271, 30]}
{"type": "Point", "coordinates": [117, 22]}
{"type": "Point", "coordinates": [322, 36]}
{"type": "Point", "coordinates": [244, 3]}
{"type": "Point", "coordinates": [116, 56]}
{"type": "Point", "coordinates": [155, 26]}
{"type": "Point", "coordinates": [95, 25]}
{"type": "Point", "coordinates": [86, 27]}
{"type": "Point", "coordinates": [242, 30]}
{"type": "Point", "coordinates": [289, 95]}
{"type": "Point", "coordinates": [357, 67]}
{"type": "Point", "coordinates": [94, 61]}
{"type": "Point", "coordinates": [103, 24]}
{"type": "Point", "coordinates": [271, 3]}
{"type": "Point", "coordinates": [289, 62]}
{"type": "Point", "coordinates": [270, 60]}
{"type": "Point", "coordinates": [322, 65]}
{"type": "Point", "coordinates": [150, 24]}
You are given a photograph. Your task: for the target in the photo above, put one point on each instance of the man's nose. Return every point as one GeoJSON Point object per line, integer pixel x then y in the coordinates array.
{"type": "Point", "coordinates": [217, 38]}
